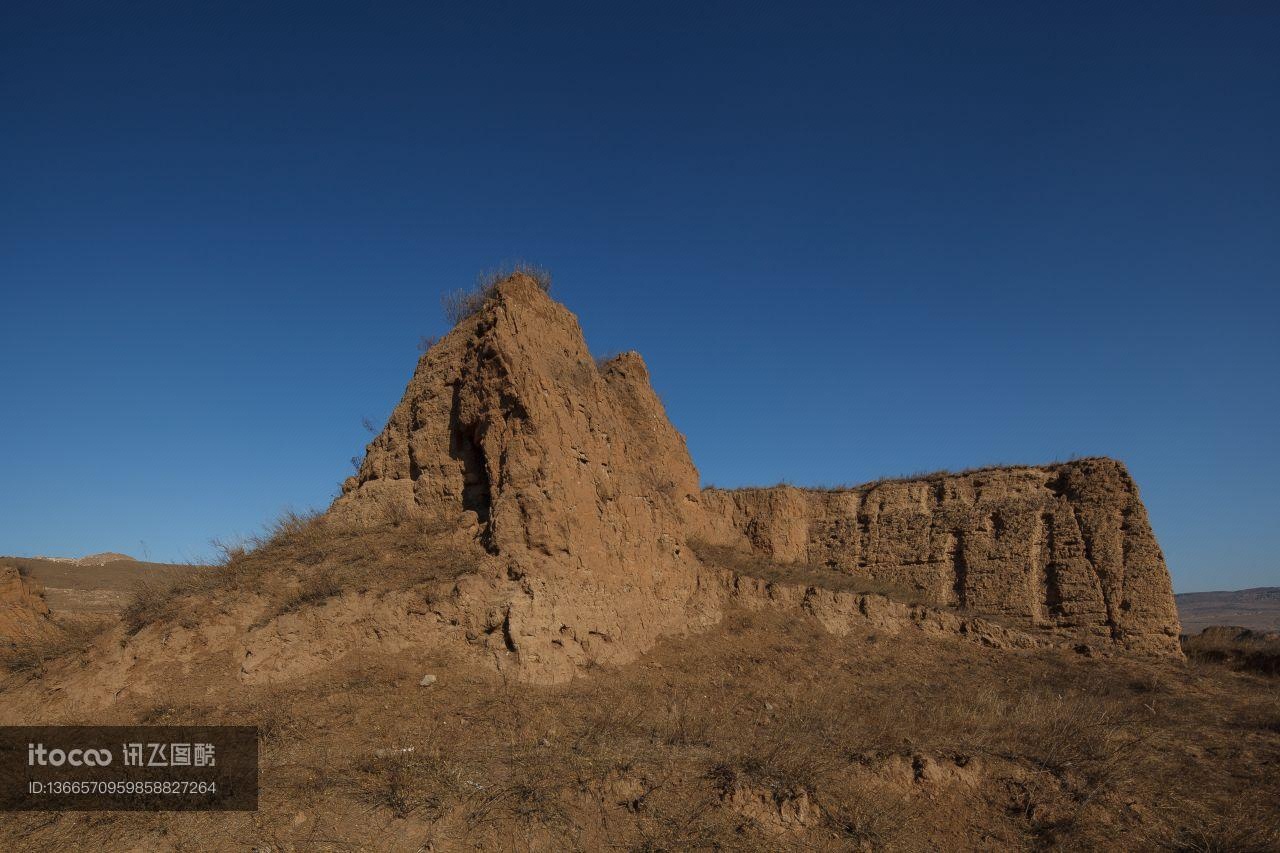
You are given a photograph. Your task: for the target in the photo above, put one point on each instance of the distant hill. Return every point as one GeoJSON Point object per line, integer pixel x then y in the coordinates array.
{"type": "Point", "coordinates": [90, 560]}
{"type": "Point", "coordinates": [99, 583]}
{"type": "Point", "coordinates": [1257, 608]}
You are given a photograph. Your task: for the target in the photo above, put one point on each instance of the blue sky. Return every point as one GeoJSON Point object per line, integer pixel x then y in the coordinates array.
{"type": "Point", "coordinates": [850, 241]}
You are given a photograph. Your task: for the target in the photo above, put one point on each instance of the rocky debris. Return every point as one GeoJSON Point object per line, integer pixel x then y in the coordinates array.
{"type": "Point", "coordinates": [1064, 546]}
{"type": "Point", "coordinates": [427, 680]}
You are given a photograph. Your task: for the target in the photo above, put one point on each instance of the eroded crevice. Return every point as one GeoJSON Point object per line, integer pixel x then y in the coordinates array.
{"type": "Point", "coordinates": [1045, 586]}
{"type": "Point", "coordinates": [955, 556]}
{"type": "Point", "coordinates": [863, 522]}
{"type": "Point", "coordinates": [465, 447]}
{"type": "Point", "coordinates": [1058, 485]}
{"type": "Point", "coordinates": [507, 639]}
{"type": "Point", "coordinates": [505, 627]}
{"type": "Point", "coordinates": [1100, 582]}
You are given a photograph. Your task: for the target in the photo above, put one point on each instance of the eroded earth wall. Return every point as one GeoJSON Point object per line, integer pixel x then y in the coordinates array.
{"type": "Point", "coordinates": [1065, 546]}
{"type": "Point", "coordinates": [569, 472]}
{"type": "Point", "coordinates": [23, 611]}
{"type": "Point", "coordinates": [571, 476]}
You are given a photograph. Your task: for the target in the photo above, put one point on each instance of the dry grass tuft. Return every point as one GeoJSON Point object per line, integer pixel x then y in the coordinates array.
{"type": "Point", "coordinates": [602, 361]}
{"type": "Point", "coordinates": [461, 304]}
{"type": "Point", "coordinates": [408, 780]}
{"type": "Point", "coordinates": [31, 653]}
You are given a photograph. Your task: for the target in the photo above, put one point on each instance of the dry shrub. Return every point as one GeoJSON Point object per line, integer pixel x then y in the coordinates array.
{"type": "Point", "coordinates": [869, 818]}
{"type": "Point", "coordinates": [797, 750]}
{"type": "Point", "coordinates": [1074, 733]}
{"type": "Point", "coordinates": [1237, 648]}
{"type": "Point", "coordinates": [602, 361]}
{"type": "Point", "coordinates": [406, 781]}
{"type": "Point", "coordinates": [304, 559]}
{"type": "Point", "coordinates": [314, 588]}
{"type": "Point", "coordinates": [526, 789]}
{"type": "Point", "coordinates": [30, 653]}
{"type": "Point", "coordinates": [461, 304]}
{"type": "Point", "coordinates": [164, 598]}
{"type": "Point", "coordinates": [677, 818]}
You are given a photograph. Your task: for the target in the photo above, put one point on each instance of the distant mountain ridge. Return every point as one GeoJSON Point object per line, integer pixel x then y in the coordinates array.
{"type": "Point", "coordinates": [1257, 608]}
{"type": "Point", "coordinates": [91, 559]}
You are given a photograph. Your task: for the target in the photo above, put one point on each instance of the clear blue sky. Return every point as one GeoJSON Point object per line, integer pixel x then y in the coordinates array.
{"type": "Point", "coordinates": [850, 242]}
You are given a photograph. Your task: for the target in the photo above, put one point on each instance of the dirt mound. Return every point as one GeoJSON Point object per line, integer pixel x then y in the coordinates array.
{"type": "Point", "coordinates": [104, 558]}
{"type": "Point", "coordinates": [569, 473]}
{"type": "Point", "coordinates": [23, 611]}
{"type": "Point", "coordinates": [29, 635]}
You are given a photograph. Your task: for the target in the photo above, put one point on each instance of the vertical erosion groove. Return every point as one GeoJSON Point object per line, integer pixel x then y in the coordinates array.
{"type": "Point", "coordinates": [959, 592]}
{"type": "Point", "coordinates": [1045, 587]}
{"type": "Point", "coordinates": [465, 447]}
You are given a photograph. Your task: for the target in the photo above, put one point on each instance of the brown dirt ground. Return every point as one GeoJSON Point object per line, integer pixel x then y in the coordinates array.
{"type": "Point", "coordinates": [764, 733]}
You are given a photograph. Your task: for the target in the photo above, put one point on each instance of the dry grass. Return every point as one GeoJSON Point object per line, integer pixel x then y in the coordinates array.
{"type": "Point", "coordinates": [901, 744]}
{"type": "Point", "coordinates": [303, 559]}
{"type": "Point", "coordinates": [30, 654]}
{"type": "Point", "coordinates": [908, 744]}
{"type": "Point", "coordinates": [460, 304]}
{"type": "Point", "coordinates": [602, 361]}
{"type": "Point", "coordinates": [408, 780]}
{"type": "Point", "coordinates": [158, 599]}
{"type": "Point", "coordinates": [1238, 648]}
{"type": "Point", "coordinates": [1242, 826]}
